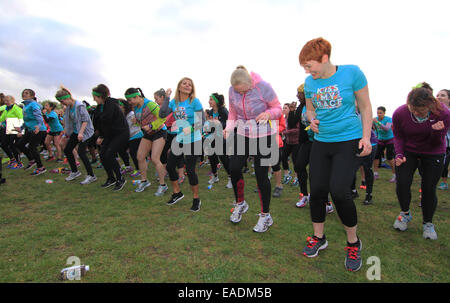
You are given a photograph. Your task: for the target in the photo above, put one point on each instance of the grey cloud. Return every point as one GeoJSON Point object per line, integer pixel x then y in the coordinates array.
{"type": "Point", "coordinates": [41, 50]}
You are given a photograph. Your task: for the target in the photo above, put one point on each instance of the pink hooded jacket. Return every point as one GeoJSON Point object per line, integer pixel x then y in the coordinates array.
{"type": "Point", "coordinates": [243, 109]}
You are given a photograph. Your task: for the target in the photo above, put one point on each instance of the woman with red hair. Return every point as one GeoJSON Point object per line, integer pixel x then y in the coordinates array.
{"type": "Point", "coordinates": [340, 138]}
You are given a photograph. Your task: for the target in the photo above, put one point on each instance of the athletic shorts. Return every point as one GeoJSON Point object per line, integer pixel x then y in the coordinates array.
{"type": "Point", "coordinates": [390, 152]}
{"type": "Point", "coordinates": [54, 134]}
{"type": "Point", "coordinates": [155, 135]}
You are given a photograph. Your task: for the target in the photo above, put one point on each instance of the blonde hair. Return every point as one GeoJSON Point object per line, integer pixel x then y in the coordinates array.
{"type": "Point", "coordinates": [62, 92]}
{"type": "Point", "coordinates": [191, 95]}
{"type": "Point", "coordinates": [240, 75]}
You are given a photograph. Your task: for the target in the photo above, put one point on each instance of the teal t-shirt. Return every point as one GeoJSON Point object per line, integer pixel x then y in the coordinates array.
{"type": "Point", "coordinates": [185, 111]}
{"type": "Point", "coordinates": [382, 134]}
{"type": "Point", "coordinates": [334, 103]}
{"type": "Point", "coordinates": [55, 125]}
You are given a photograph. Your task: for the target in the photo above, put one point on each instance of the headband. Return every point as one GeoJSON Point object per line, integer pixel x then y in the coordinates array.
{"type": "Point", "coordinates": [63, 97]}
{"type": "Point", "coordinates": [94, 93]}
{"type": "Point", "coordinates": [132, 95]}
{"type": "Point", "coordinates": [215, 99]}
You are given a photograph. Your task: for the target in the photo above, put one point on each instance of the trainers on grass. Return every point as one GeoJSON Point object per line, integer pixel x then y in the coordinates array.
{"type": "Point", "coordinates": [238, 210]}
{"type": "Point", "coordinates": [429, 232]}
{"type": "Point", "coordinates": [175, 198]}
{"type": "Point", "coordinates": [353, 259]}
{"type": "Point", "coordinates": [264, 222]}
{"type": "Point", "coordinates": [401, 222]}
{"type": "Point", "coordinates": [88, 180]}
{"type": "Point", "coordinates": [73, 175]}
{"type": "Point", "coordinates": [314, 245]}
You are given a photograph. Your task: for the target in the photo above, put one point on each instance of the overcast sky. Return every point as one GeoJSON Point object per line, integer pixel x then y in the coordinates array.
{"type": "Point", "coordinates": [153, 44]}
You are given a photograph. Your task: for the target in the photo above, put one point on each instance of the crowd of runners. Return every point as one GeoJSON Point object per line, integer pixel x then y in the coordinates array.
{"type": "Point", "coordinates": [329, 135]}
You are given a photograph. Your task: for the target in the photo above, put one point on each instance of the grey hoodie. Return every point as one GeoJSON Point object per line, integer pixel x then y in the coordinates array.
{"type": "Point", "coordinates": [81, 115]}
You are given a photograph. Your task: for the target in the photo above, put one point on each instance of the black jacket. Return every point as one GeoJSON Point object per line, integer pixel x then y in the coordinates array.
{"type": "Point", "coordinates": [109, 120]}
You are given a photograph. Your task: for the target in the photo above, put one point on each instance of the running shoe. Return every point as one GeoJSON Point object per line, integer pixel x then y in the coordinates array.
{"type": "Point", "coordinates": [119, 184]}
{"type": "Point", "coordinates": [52, 158]}
{"type": "Point", "coordinates": [108, 183]}
{"type": "Point", "coordinates": [314, 245]}
{"type": "Point", "coordinates": [329, 207]}
{"type": "Point", "coordinates": [175, 198]}
{"type": "Point", "coordinates": [353, 261]}
{"type": "Point", "coordinates": [30, 165]}
{"type": "Point", "coordinates": [11, 163]}
{"type": "Point", "coordinates": [245, 170]}
{"type": "Point", "coordinates": [303, 201]}
{"type": "Point", "coordinates": [229, 184]}
{"type": "Point", "coordinates": [38, 171]}
{"type": "Point", "coordinates": [295, 182]}
{"type": "Point", "coordinates": [161, 190]}
{"type": "Point", "coordinates": [142, 186]}
{"type": "Point", "coordinates": [135, 173]}
{"type": "Point", "coordinates": [429, 232]}
{"type": "Point", "coordinates": [73, 175]}
{"type": "Point", "coordinates": [401, 222]}
{"type": "Point", "coordinates": [88, 180]}
{"type": "Point", "coordinates": [393, 179]}
{"type": "Point", "coordinates": [17, 166]}
{"type": "Point", "coordinates": [277, 192]}
{"type": "Point", "coordinates": [59, 160]}
{"type": "Point", "coordinates": [355, 194]}
{"type": "Point", "coordinates": [264, 222]}
{"type": "Point", "coordinates": [368, 200]}
{"type": "Point", "coordinates": [286, 179]}
{"type": "Point", "coordinates": [363, 185]}
{"type": "Point", "coordinates": [213, 179]}
{"type": "Point", "coordinates": [238, 210]}
{"type": "Point", "coordinates": [196, 203]}
{"type": "Point", "coordinates": [443, 186]}
{"type": "Point", "coordinates": [181, 180]}
{"type": "Point", "coordinates": [376, 176]}
{"type": "Point", "coordinates": [125, 170]}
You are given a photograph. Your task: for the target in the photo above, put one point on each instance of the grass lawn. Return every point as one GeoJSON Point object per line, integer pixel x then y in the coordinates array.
{"type": "Point", "coordinates": [135, 237]}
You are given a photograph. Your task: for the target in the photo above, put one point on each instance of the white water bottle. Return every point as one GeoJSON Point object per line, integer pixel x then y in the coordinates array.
{"type": "Point", "coordinates": [74, 272]}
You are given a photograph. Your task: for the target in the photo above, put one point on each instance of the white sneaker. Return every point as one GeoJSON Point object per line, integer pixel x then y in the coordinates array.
{"type": "Point", "coordinates": [142, 185]}
{"type": "Point", "coordinates": [73, 176]}
{"type": "Point", "coordinates": [88, 180]}
{"type": "Point", "coordinates": [214, 179]}
{"type": "Point", "coordinates": [329, 208]}
{"type": "Point", "coordinates": [264, 222]}
{"type": "Point", "coordinates": [429, 232]}
{"type": "Point", "coordinates": [239, 209]}
{"type": "Point", "coordinates": [303, 201]}
{"type": "Point", "coordinates": [229, 184]}
{"type": "Point", "coordinates": [161, 190]}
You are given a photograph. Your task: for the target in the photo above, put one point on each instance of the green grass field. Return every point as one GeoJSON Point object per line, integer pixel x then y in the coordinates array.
{"type": "Point", "coordinates": [135, 237]}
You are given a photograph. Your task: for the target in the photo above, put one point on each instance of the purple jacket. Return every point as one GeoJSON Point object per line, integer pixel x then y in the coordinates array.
{"type": "Point", "coordinates": [411, 136]}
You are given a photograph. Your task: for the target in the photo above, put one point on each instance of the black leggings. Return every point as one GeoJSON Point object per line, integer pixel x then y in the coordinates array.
{"type": "Point", "coordinates": [431, 167]}
{"type": "Point", "coordinates": [447, 160]}
{"type": "Point", "coordinates": [367, 163]}
{"type": "Point", "coordinates": [68, 151]}
{"type": "Point", "coordinates": [33, 141]}
{"type": "Point", "coordinates": [331, 170]}
{"type": "Point", "coordinates": [190, 160]}
{"type": "Point", "coordinates": [237, 163]}
{"type": "Point", "coordinates": [7, 143]}
{"type": "Point", "coordinates": [108, 150]}
{"type": "Point", "coordinates": [300, 166]}
{"type": "Point", "coordinates": [290, 149]}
